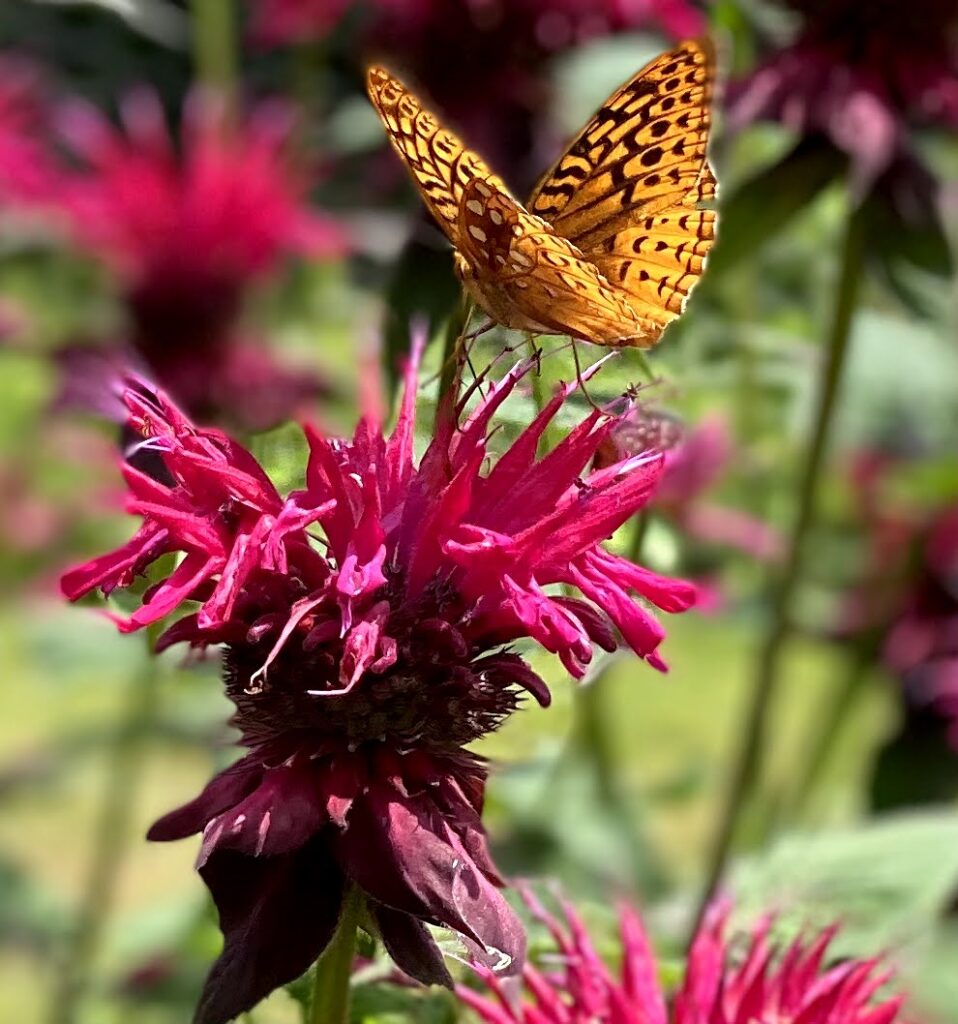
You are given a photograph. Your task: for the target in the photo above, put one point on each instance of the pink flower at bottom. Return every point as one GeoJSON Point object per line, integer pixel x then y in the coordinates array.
{"type": "Point", "coordinates": [370, 624]}
{"type": "Point", "coordinates": [721, 986]}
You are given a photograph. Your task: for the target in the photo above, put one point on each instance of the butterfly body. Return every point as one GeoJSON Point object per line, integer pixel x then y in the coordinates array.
{"type": "Point", "coordinates": [521, 272]}
{"type": "Point", "coordinates": [614, 236]}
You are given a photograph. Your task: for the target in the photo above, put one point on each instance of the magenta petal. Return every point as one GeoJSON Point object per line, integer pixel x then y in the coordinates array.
{"type": "Point", "coordinates": [277, 915]}
{"type": "Point", "coordinates": [118, 568]}
{"type": "Point", "coordinates": [411, 947]}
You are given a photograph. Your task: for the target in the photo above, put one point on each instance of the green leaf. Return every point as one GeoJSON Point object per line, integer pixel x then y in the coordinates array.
{"type": "Point", "coordinates": [386, 1003]}
{"type": "Point", "coordinates": [765, 204]}
{"type": "Point", "coordinates": [887, 882]}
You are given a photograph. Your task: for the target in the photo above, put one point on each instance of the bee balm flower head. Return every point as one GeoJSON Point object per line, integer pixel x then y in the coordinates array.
{"type": "Point", "coordinates": [369, 624]}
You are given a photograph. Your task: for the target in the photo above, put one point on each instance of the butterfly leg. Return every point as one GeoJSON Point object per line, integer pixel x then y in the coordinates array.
{"type": "Point", "coordinates": [536, 352]}
{"type": "Point", "coordinates": [468, 340]}
{"type": "Point", "coordinates": [578, 375]}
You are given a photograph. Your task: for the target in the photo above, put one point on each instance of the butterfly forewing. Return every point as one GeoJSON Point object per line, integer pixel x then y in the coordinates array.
{"type": "Point", "coordinates": [644, 149]}
{"type": "Point", "coordinates": [439, 163]}
{"type": "Point", "coordinates": [632, 190]}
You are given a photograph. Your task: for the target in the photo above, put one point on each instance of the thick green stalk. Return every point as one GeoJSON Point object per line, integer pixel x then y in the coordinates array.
{"type": "Point", "coordinates": [456, 328]}
{"type": "Point", "coordinates": [214, 45]}
{"type": "Point", "coordinates": [747, 768]}
{"type": "Point", "coordinates": [334, 969]}
{"type": "Point", "coordinates": [125, 763]}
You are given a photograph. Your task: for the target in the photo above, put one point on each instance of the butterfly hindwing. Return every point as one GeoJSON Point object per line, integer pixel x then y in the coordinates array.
{"type": "Point", "coordinates": [632, 189]}
{"type": "Point", "coordinates": [531, 278]}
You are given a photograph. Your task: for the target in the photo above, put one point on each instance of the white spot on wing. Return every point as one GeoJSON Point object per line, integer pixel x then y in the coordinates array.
{"type": "Point", "coordinates": [477, 233]}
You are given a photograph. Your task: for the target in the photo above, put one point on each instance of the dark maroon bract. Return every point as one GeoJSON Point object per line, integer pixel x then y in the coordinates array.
{"type": "Point", "coordinates": [369, 623]}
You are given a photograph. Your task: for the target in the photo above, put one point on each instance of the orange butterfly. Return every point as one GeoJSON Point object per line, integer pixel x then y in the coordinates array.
{"type": "Point", "coordinates": [614, 236]}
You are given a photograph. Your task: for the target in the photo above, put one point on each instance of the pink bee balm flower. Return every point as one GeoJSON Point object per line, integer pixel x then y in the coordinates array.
{"type": "Point", "coordinates": [187, 227]}
{"type": "Point", "coordinates": [694, 464]}
{"type": "Point", "coordinates": [720, 987]}
{"type": "Point", "coordinates": [921, 641]}
{"type": "Point", "coordinates": [369, 623]}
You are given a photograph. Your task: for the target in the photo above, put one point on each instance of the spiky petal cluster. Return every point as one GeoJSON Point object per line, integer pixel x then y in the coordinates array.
{"type": "Point", "coordinates": [860, 75]}
{"type": "Point", "coordinates": [719, 988]}
{"type": "Point", "coordinates": [368, 621]}
{"type": "Point", "coordinates": [187, 225]}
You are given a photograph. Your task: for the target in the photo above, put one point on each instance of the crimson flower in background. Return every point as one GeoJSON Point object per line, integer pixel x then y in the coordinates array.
{"type": "Point", "coordinates": [861, 75]}
{"type": "Point", "coordinates": [921, 643]}
{"type": "Point", "coordinates": [369, 623]}
{"type": "Point", "coordinates": [27, 174]}
{"type": "Point", "coordinates": [483, 61]}
{"type": "Point", "coordinates": [187, 226]}
{"type": "Point", "coordinates": [694, 464]}
{"type": "Point", "coordinates": [720, 986]}
{"type": "Point", "coordinates": [901, 612]}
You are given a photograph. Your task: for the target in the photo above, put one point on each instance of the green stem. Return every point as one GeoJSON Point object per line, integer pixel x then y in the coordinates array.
{"type": "Point", "coordinates": [334, 969]}
{"type": "Point", "coordinates": [746, 771]}
{"type": "Point", "coordinates": [455, 331]}
{"type": "Point", "coordinates": [214, 45]}
{"type": "Point", "coordinates": [125, 763]}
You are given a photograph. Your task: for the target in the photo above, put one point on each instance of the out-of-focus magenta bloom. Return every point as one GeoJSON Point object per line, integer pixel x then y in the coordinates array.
{"type": "Point", "coordinates": [27, 172]}
{"type": "Point", "coordinates": [694, 464]}
{"type": "Point", "coordinates": [720, 987]}
{"type": "Point", "coordinates": [483, 62]}
{"type": "Point", "coordinates": [187, 226]}
{"type": "Point", "coordinates": [860, 75]}
{"type": "Point", "coordinates": [369, 623]}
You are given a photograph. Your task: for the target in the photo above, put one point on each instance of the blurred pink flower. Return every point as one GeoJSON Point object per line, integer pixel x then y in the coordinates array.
{"type": "Point", "coordinates": [483, 62]}
{"type": "Point", "coordinates": [694, 464]}
{"type": "Point", "coordinates": [720, 986]}
{"type": "Point", "coordinates": [860, 75]}
{"type": "Point", "coordinates": [363, 664]}
{"type": "Point", "coordinates": [27, 172]}
{"type": "Point", "coordinates": [187, 226]}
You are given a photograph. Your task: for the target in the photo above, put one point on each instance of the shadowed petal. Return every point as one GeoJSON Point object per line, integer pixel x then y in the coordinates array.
{"type": "Point", "coordinates": [277, 915]}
